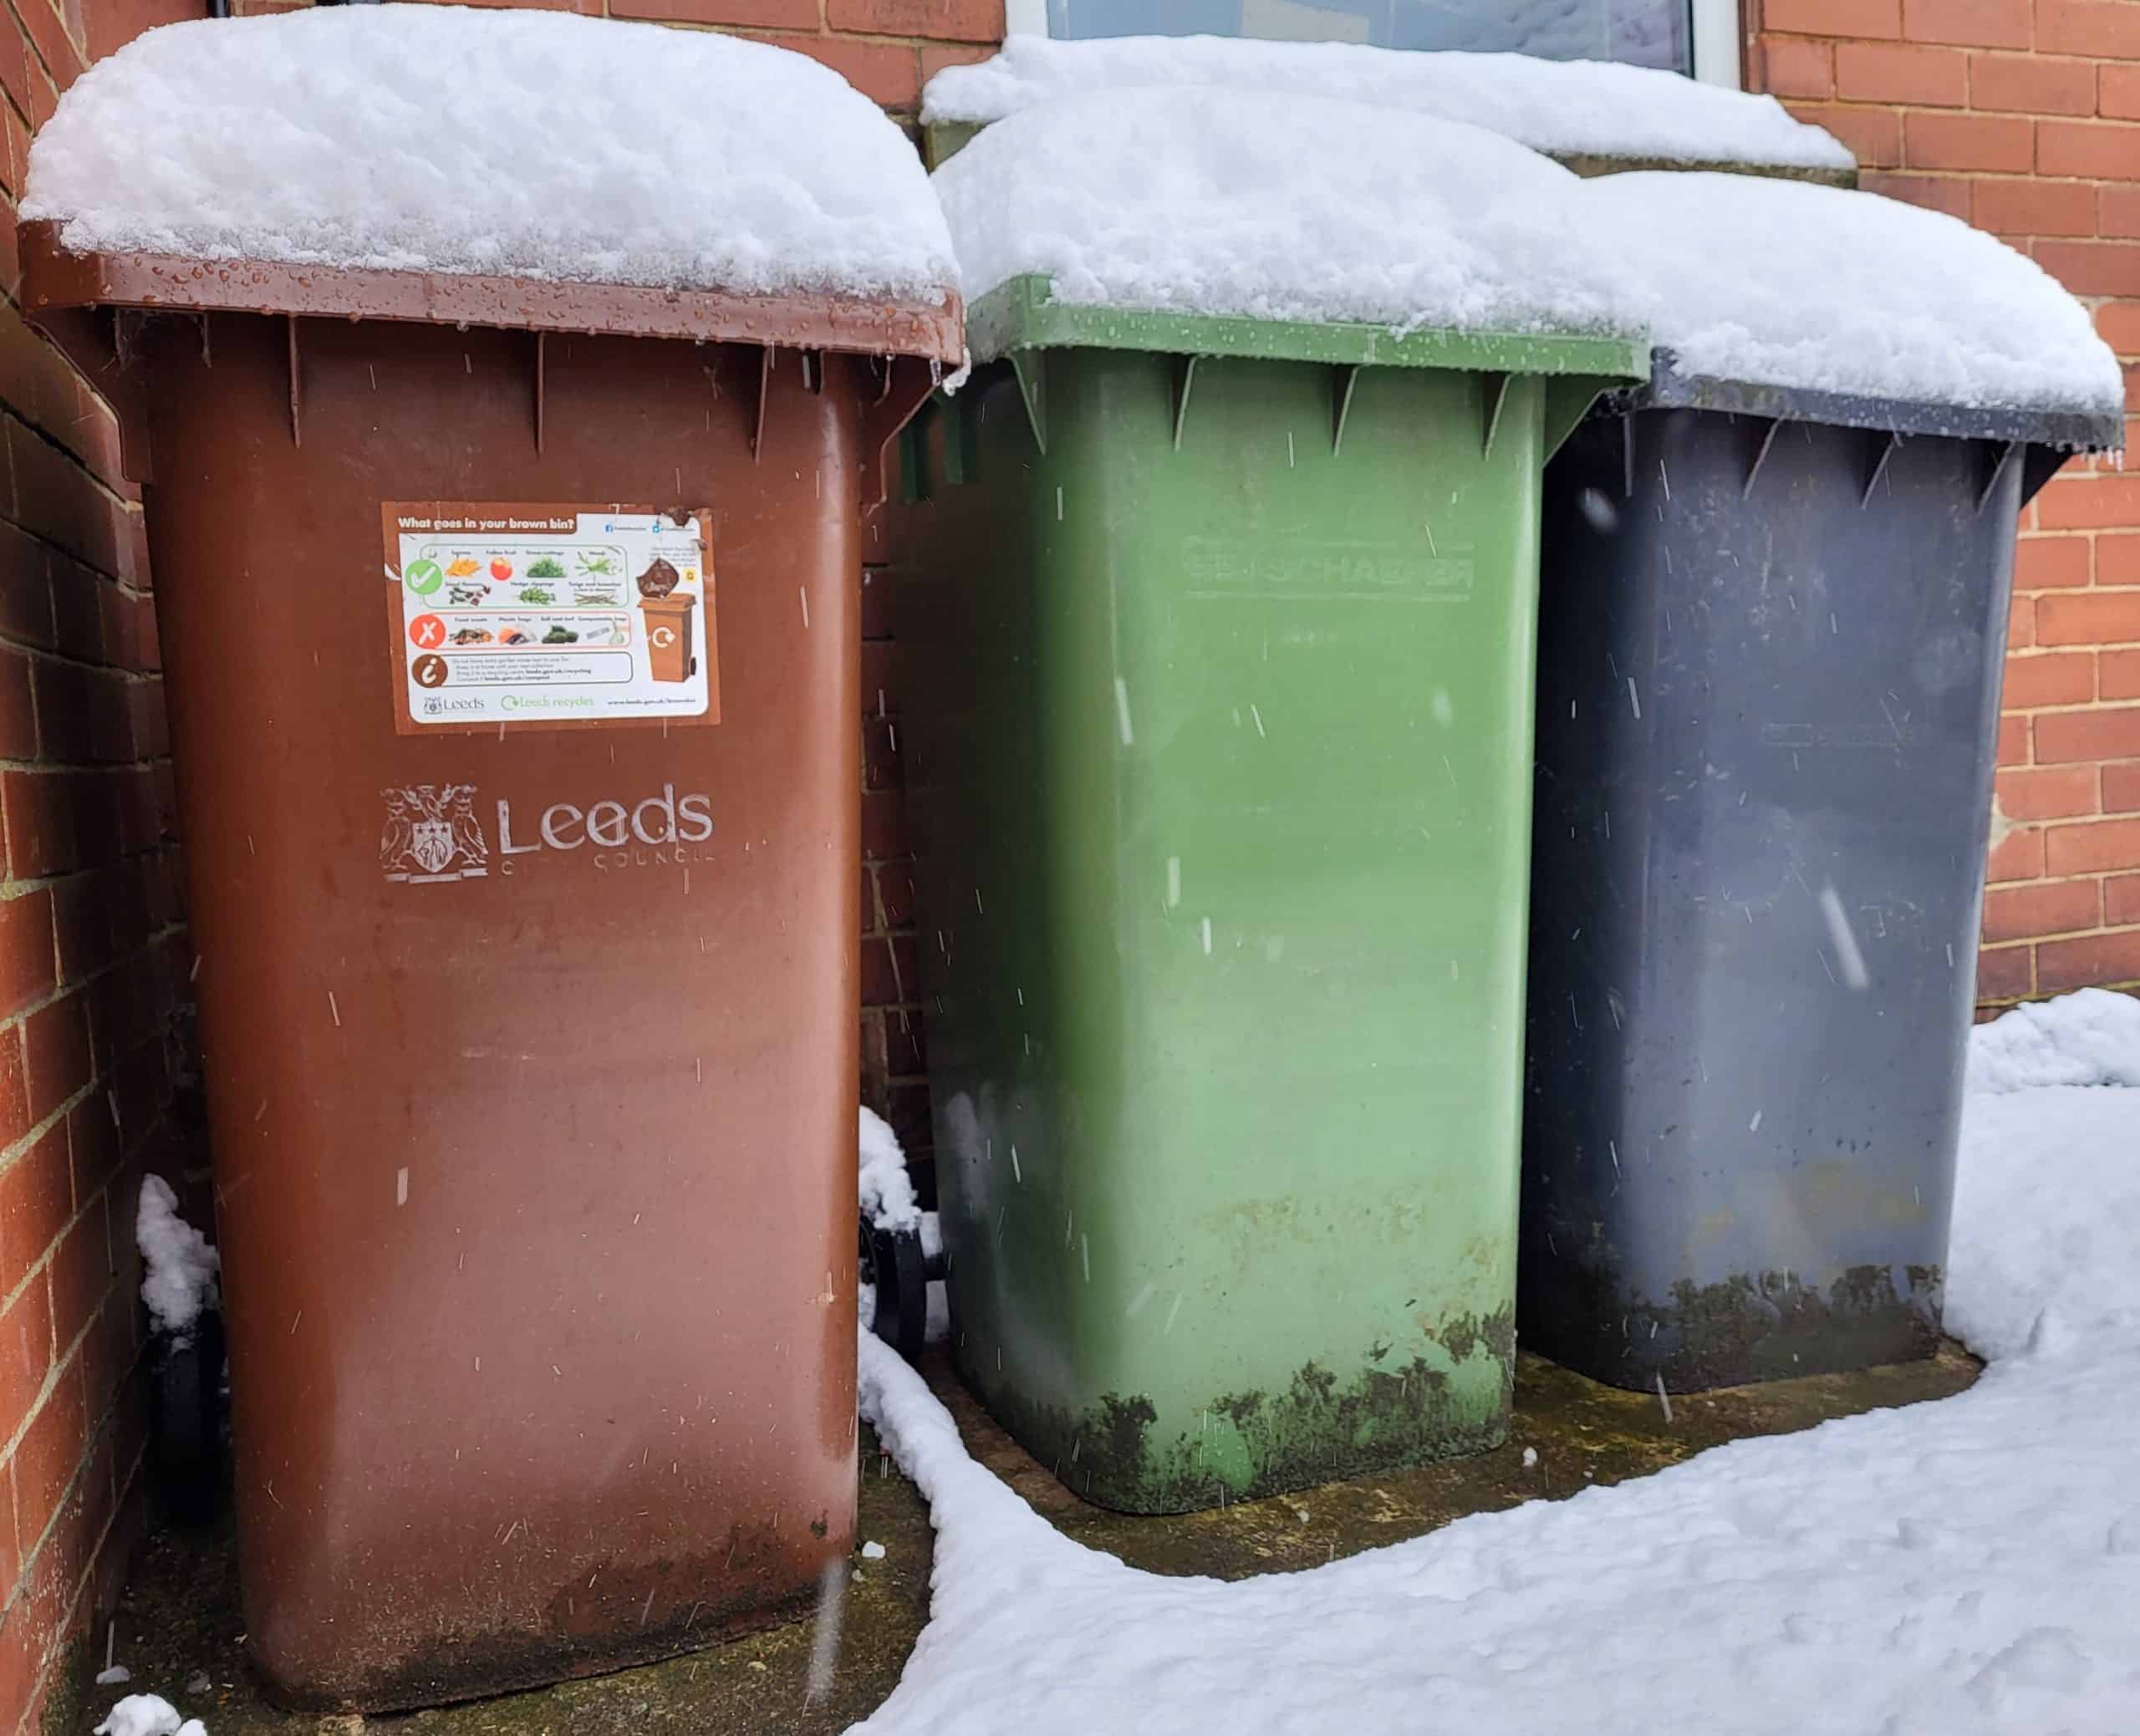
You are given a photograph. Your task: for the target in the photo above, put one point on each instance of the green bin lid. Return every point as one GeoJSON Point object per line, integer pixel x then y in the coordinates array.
{"type": "Point", "coordinates": [1024, 314]}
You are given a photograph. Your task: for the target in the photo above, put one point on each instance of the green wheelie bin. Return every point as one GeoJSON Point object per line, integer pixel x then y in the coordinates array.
{"type": "Point", "coordinates": [1218, 636]}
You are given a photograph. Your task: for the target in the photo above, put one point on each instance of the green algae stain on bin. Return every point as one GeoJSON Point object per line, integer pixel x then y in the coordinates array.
{"type": "Point", "coordinates": [1243, 1446]}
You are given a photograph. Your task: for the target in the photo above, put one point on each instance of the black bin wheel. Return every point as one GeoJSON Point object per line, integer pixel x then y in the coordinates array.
{"type": "Point", "coordinates": [188, 1435]}
{"type": "Point", "coordinates": [893, 1262]}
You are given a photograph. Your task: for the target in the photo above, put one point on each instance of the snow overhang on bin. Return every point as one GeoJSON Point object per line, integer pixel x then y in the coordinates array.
{"type": "Point", "coordinates": [1793, 303]}
{"type": "Point", "coordinates": [1595, 117]}
{"type": "Point", "coordinates": [1298, 228]}
{"type": "Point", "coordinates": [676, 185]}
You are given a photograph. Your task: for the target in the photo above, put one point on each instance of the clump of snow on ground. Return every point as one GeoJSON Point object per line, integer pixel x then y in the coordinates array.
{"type": "Point", "coordinates": [148, 1715]}
{"type": "Point", "coordinates": [2089, 1038]}
{"type": "Point", "coordinates": [1569, 108]}
{"type": "Point", "coordinates": [888, 1199]}
{"type": "Point", "coordinates": [181, 1280]}
{"type": "Point", "coordinates": [1784, 283]}
{"type": "Point", "coordinates": [1284, 207]}
{"type": "Point", "coordinates": [530, 144]}
{"type": "Point", "coordinates": [1972, 1564]}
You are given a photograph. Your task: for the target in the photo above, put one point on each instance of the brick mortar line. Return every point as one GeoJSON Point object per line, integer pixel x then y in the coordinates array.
{"type": "Point", "coordinates": [21, 114]}
{"type": "Point", "coordinates": [826, 30]}
{"type": "Point", "coordinates": [1906, 105]}
{"type": "Point", "coordinates": [66, 1623]}
{"type": "Point", "coordinates": [25, 885]}
{"type": "Point", "coordinates": [31, 768]}
{"type": "Point", "coordinates": [32, 54]}
{"type": "Point", "coordinates": [2117, 929]}
{"type": "Point", "coordinates": [142, 677]}
{"type": "Point", "coordinates": [52, 1379]}
{"type": "Point", "coordinates": [19, 1148]}
{"type": "Point", "coordinates": [81, 459]}
{"type": "Point", "coordinates": [30, 42]}
{"type": "Point", "coordinates": [12, 298]}
{"type": "Point", "coordinates": [68, 452]}
{"type": "Point", "coordinates": [16, 763]}
{"type": "Point", "coordinates": [44, 1262]}
{"type": "Point", "coordinates": [143, 593]}
{"type": "Point", "coordinates": [2066, 879]}
{"type": "Point", "coordinates": [28, 885]}
{"type": "Point", "coordinates": [796, 32]}
{"type": "Point", "coordinates": [90, 1439]}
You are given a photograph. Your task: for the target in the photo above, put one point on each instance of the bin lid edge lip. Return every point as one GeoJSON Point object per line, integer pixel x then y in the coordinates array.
{"type": "Point", "coordinates": [1021, 313]}
{"type": "Point", "coordinates": [2071, 430]}
{"type": "Point", "coordinates": [55, 277]}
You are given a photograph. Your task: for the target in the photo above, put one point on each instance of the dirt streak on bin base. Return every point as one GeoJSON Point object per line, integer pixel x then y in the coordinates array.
{"type": "Point", "coordinates": [1251, 1445]}
{"type": "Point", "coordinates": [1769, 1325]}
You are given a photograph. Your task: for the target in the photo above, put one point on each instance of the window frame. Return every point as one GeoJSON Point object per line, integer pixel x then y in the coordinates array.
{"type": "Point", "coordinates": [1717, 58]}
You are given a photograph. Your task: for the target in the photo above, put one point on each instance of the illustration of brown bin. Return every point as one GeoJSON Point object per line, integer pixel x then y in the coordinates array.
{"type": "Point", "coordinates": [669, 636]}
{"type": "Point", "coordinates": [668, 615]}
{"type": "Point", "coordinates": [531, 1046]}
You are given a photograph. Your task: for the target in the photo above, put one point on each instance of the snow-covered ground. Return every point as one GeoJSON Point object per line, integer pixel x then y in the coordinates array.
{"type": "Point", "coordinates": [1969, 1565]}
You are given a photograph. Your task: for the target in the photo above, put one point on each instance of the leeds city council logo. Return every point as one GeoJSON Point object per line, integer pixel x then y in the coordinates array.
{"type": "Point", "coordinates": [431, 834]}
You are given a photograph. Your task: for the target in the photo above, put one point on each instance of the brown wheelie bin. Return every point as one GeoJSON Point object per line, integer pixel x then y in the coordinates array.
{"type": "Point", "coordinates": [513, 659]}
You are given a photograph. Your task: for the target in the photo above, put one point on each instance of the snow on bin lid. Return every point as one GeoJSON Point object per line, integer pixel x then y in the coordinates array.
{"type": "Point", "coordinates": [1778, 283]}
{"type": "Point", "coordinates": [1567, 108]}
{"type": "Point", "coordinates": [525, 144]}
{"type": "Point", "coordinates": [1188, 201]}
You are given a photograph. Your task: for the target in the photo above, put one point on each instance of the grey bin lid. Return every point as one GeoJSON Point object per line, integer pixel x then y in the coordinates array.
{"type": "Point", "coordinates": [2063, 432]}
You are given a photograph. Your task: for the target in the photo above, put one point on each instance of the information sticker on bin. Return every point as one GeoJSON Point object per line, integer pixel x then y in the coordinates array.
{"type": "Point", "coordinates": [534, 615]}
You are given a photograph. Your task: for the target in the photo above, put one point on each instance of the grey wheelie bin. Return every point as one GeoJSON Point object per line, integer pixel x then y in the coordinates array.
{"type": "Point", "coordinates": [1772, 637]}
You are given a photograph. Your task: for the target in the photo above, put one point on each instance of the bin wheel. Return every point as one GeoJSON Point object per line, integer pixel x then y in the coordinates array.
{"type": "Point", "coordinates": [893, 1262]}
{"type": "Point", "coordinates": [188, 1422]}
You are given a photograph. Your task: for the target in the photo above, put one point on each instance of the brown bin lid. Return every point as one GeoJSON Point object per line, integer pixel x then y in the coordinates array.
{"type": "Point", "coordinates": [71, 298]}
{"type": "Point", "coordinates": [55, 278]}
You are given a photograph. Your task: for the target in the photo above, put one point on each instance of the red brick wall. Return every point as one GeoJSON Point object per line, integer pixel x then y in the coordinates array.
{"type": "Point", "coordinates": [2023, 116]}
{"type": "Point", "coordinates": [92, 957]}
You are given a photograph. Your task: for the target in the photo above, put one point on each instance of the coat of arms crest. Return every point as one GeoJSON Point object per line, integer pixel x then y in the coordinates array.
{"type": "Point", "coordinates": [431, 834]}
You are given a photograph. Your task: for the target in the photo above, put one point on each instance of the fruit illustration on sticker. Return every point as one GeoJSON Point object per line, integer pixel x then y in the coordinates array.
{"type": "Point", "coordinates": [501, 569]}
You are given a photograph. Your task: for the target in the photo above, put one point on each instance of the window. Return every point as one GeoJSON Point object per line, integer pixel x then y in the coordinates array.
{"type": "Point", "coordinates": [1696, 36]}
